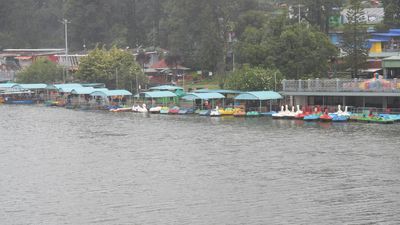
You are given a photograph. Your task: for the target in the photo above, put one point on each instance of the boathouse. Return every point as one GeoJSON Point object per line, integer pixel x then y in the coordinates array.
{"type": "Point", "coordinates": [260, 101]}
{"type": "Point", "coordinates": [154, 98]}
{"type": "Point", "coordinates": [377, 93]}
{"type": "Point", "coordinates": [205, 100]}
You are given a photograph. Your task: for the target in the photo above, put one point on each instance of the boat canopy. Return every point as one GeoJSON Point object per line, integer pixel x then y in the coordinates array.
{"type": "Point", "coordinates": [156, 94]}
{"type": "Point", "coordinates": [221, 91]}
{"type": "Point", "coordinates": [109, 93]}
{"type": "Point", "coordinates": [259, 95]}
{"type": "Point", "coordinates": [33, 86]}
{"type": "Point", "coordinates": [203, 96]}
{"type": "Point", "coordinates": [166, 88]}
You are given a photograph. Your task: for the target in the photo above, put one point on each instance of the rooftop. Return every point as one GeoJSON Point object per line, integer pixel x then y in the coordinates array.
{"type": "Point", "coordinates": [259, 95]}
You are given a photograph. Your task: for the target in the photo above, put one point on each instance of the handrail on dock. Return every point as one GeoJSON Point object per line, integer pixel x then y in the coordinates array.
{"type": "Point", "coordinates": [340, 85]}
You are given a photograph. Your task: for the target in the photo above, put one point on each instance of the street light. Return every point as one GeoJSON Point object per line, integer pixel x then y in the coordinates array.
{"type": "Point", "coordinates": [299, 12]}
{"type": "Point", "coordinates": [66, 22]}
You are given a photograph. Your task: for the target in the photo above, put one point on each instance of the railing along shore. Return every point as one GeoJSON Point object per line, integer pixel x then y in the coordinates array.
{"type": "Point", "coordinates": [339, 85]}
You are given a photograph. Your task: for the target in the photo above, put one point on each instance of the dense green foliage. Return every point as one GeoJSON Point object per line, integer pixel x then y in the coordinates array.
{"type": "Point", "coordinates": [41, 71]}
{"type": "Point", "coordinates": [208, 35]}
{"type": "Point", "coordinates": [116, 68]}
{"type": "Point", "coordinates": [296, 50]}
{"type": "Point", "coordinates": [392, 13]}
{"type": "Point", "coordinates": [354, 38]}
{"type": "Point", "coordinates": [253, 79]}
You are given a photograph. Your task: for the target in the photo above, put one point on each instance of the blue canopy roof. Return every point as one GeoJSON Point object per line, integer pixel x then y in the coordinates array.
{"type": "Point", "coordinates": [221, 91]}
{"type": "Point", "coordinates": [9, 85]}
{"type": "Point", "coordinates": [203, 96]}
{"type": "Point", "coordinates": [65, 87]}
{"type": "Point", "coordinates": [107, 93]}
{"type": "Point", "coordinates": [156, 94]}
{"type": "Point", "coordinates": [259, 95]}
{"type": "Point", "coordinates": [390, 34]}
{"type": "Point", "coordinates": [86, 90]}
{"type": "Point", "coordinates": [33, 86]}
{"type": "Point", "coordinates": [166, 88]}
{"type": "Point", "coordinates": [82, 90]}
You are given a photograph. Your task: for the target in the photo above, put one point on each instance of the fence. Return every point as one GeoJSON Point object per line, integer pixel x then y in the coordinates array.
{"type": "Point", "coordinates": [338, 85]}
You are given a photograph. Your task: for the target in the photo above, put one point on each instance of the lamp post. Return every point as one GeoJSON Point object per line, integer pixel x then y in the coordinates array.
{"type": "Point", "coordinates": [66, 22]}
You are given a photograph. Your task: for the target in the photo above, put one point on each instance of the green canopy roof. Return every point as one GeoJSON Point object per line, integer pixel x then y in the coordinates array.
{"type": "Point", "coordinates": [203, 96]}
{"type": "Point", "coordinates": [221, 91]}
{"type": "Point", "coordinates": [107, 93]}
{"type": "Point", "coordinates": [156, 94]}
{"type": "Point", "coordinates": [259, 95]}
{"type": "Point", "coordinates": [166, 88]}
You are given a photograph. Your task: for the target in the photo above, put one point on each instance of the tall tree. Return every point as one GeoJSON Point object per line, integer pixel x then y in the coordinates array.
{"type": "Point", "coordinates": [318, 12]}
{"type": "Point", "coordinates": [392, 13]}
{"type": "Point", "coordinates": [254, 79]}
{"type": "Point", "coordinates": [354, 38]}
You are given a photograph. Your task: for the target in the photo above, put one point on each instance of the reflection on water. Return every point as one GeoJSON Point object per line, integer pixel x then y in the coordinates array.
{"type": "Point", "coordinates": [88, 167]}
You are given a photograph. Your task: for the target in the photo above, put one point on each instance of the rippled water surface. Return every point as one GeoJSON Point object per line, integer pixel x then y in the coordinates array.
{"type": "Point", "coordinates": [62, 166]}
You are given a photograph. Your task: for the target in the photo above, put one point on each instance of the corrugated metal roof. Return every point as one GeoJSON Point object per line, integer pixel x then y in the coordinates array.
{"type": "Point", "coordinates": [203, 96]}
{"type": "Point", "coordinates": [259, 95]}
{"type": "Point", "coordinates": [156, 94]}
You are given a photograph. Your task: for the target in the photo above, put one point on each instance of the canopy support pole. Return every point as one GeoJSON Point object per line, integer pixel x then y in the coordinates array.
{"type": "Point", "coordinates": [270, 105]}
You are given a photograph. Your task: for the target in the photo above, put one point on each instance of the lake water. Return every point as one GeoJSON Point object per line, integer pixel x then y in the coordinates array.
{"type": "Point", "coordinates": [61, 166]}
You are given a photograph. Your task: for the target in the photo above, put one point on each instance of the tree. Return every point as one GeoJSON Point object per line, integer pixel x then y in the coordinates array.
{"type": "Point", "coordinates": [303, 51]}
{"type": "Point", "coordinates": [41, 71]}
{"type": "Point", "coordinates": [254, 79]}
{"type": "Point", "coordinates": [354, 38]}
{"type": "Point", "coordinates": [115, 67]}
{"type": "Point", "coordinates": [296, 50]}
{"type": "Point", "coordinates": [318, 12]}
{"type": "Point", "coordinates": [392, 13]}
